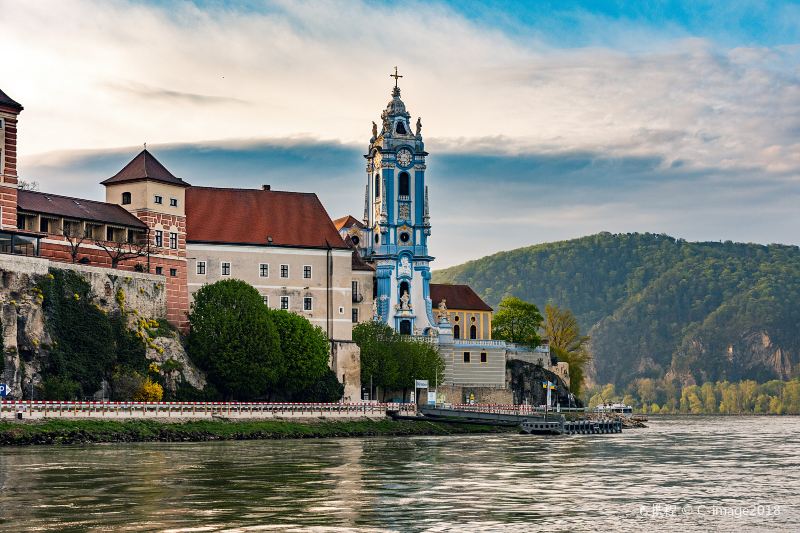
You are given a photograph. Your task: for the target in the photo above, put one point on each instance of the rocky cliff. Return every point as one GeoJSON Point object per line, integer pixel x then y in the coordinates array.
{"type": "Point", "coordinates": [74, 324]}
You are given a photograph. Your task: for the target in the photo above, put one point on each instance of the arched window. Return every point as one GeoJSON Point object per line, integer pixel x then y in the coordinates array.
{"type": "Point", "coordinates": [473, 332]}
{"type": "Point", "coordinates": [400, 128]}
{"type": "Point", "coordinates": [126, 198]}
{"type": "Point", "coordinates": [377, 186]}
{"type": "Point", "coordinates": [456, 331]}
{"type": "Point", "coordinates": [405, 184]}
{"type": "Point", "coordinates": [405, 327]}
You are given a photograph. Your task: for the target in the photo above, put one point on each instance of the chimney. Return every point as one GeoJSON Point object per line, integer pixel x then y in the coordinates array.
{"type": "Point", "coordinates": [266, 188]}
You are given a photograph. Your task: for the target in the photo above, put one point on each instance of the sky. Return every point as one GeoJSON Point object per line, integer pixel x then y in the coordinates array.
{"type": "Point", "coordinates": [544, 120]}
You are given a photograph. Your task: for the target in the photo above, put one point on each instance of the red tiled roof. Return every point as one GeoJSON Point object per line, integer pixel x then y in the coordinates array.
{"type": "Point", "coordinates": [252, 216]}
{"type": "Point", "coordinates": [145, 167]}
{"type": "Point", "coordinates": [457, 297]}
{"type": "Point", "coordinates": [346, 222]}
{"type": "Point", "coordinates": [6, 101]}
{"type": "Point", "coordinates": [76, 208]}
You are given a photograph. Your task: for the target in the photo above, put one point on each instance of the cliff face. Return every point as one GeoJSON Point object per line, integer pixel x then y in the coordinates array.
{"type": "Point", "coordinates": [31, 326]}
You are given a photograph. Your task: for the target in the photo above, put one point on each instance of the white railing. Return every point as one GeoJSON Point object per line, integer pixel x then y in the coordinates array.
{"type": "Point", "coordinates": [480, 342]}
{"type": "Point", "coordinates": [65, 409]}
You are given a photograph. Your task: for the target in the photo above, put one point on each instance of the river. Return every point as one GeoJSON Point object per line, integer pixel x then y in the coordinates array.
{"type": "Point", "coordinates": [682, 473]}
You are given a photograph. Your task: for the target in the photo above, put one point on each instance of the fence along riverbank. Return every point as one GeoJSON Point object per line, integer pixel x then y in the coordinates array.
{"type": "Point", "coordinates": [36, 410]}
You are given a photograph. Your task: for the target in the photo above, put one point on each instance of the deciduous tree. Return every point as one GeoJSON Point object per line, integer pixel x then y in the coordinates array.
{"type": "Point", "coordinates": [517, 321]}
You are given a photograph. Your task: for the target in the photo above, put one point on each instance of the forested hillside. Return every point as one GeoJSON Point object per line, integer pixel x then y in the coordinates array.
{"type": "Point", "coordinates": [659, 307]}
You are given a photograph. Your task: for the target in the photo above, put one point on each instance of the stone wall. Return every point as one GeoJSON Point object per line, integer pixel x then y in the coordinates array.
{"type": "Point", "coordinates": [487, 395]}
{"type": "Point", "coordinates": [346, 363]}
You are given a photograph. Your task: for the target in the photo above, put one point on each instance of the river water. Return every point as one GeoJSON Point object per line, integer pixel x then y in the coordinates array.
{"type": "Point", "coordinates": [683, 474]}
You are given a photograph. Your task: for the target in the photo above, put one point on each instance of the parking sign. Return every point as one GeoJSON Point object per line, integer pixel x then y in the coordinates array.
{"type": "Point", "coordinates": [3, 389]}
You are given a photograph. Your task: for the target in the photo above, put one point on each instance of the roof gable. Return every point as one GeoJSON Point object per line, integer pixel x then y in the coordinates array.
{"type": "Point", "coordinates": [145, 167]}
{"type": "Point", "coordinates": [347, 222]}
{"type": "Point", "coordinates": [259, 217]}
{"type": "Point", "coordinates": [6, 101]}
{"type": "Point", "coordinates": [457, 297]}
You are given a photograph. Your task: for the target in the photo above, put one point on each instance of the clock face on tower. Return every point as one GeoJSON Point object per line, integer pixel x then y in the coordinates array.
{"type": "Point", "coordinates": [404, 157]}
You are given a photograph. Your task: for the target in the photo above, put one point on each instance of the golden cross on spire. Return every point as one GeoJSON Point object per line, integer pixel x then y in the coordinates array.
{"type": "Point", "coordinates": [395, 76]}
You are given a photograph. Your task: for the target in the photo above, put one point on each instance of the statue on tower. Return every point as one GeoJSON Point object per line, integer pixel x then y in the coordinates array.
{"type": "Point", "coordinates": [374, 130]}
{"type": "Point", "coordinates": [419, 126]}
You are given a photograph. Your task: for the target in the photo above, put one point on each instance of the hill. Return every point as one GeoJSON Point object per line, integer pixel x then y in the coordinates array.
{"type": "Point", "coordinates": [659, 307]}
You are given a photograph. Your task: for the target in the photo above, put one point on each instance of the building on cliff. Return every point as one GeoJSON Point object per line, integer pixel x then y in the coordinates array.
{"type": "Point", "coordinates": [282, 243]}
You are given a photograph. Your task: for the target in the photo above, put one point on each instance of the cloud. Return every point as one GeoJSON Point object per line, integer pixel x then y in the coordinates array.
{"type": "Point", "coordinates": [149, 94]}
{"type": "Point", "coordinates": [637, 124]}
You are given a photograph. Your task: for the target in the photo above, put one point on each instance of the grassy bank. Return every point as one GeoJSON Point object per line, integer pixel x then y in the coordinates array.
{"type": "Point", "coordinates": [95, 431]}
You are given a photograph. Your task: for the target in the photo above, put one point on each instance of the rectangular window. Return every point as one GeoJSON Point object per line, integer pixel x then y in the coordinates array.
{"type": "Point", "coordinates": [307, 272]}
{"type": "Point", "coordinates": [355, 315]}
{"type": "Point", "coordinates": [466, 357]}
{"type": "Point", "coordinates": [173, 202]}
{"type": "Point", "coordinates": [226, 268]}
{"type": "Point", "coordinates": [159, 238]}
{"type": "Point", "coordinates": [308, 303]}
{"type": "Point", "coordinates": [284, 271]}
{"type": "Point", "coordinates": [109, 233]}
{"type": "Point", "coordinates": [266, 300]}
{"type": "Point", "coordinates": [484, 357]}
{"type": "Point", "coordinates": [44, 225]}
{"type": "Point", "coordinates": [173, 272]}
{"type": "Point", "coordinates": [159, 270]}
{"type": "Point", "coordinates": [263, 270]}
{"type": "Point", "coordinates": [158, 199]}
{"type": "Point", "coordinates": [173, 240]}
{"type": "Point", "coordinates": [201, 268]}
{"type": "Point", "coordinates": [285, 303]}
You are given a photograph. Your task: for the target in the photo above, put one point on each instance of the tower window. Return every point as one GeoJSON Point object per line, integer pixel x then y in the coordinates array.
{"type": "Point", "coordinates": [400, 128]}
{"type": "Point", "coordinates": [173, 272]}
{"type": "Point", "coordinates": [405, 184]}
{"type": "Point", "coordinates": [404, 237]}
{"type": "Point", "coordinates": [377, 239]}
{"type": "Point", "coordinates": [355, 240]}
{"type": "Point", "coordinates": [405, 327]}
{"type": "Point", "coordinates": [126, 198]}
{"type": "Point", "coordinates": [377, 186]}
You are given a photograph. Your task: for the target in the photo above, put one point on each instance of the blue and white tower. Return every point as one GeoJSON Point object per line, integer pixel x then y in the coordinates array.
{"type": "Point", "coordinates": [397, 219]}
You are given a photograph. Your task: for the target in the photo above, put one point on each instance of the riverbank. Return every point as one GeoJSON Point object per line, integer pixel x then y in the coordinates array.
{"type": "Point", "coordinates": [100, 431]}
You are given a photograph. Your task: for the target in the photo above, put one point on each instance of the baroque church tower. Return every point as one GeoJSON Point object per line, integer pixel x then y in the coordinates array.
{"type": "Point", "coordinates": [397, 220]}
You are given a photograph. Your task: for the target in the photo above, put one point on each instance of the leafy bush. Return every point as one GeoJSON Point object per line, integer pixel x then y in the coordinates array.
{"type": "Point", "coordinates": [325, 389]}
{"type": "Point", "coordinates": [304, 349]}
{"type": "Point", "coordinates": [149, 392]}
{"type": "Point", "coordinates": [233, 339]}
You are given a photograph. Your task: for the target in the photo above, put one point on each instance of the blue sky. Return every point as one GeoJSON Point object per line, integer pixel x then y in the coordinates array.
{"type": "Point", "coordinates": [544, 120]}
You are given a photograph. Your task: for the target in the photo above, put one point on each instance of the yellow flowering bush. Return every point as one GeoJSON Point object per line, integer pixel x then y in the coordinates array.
{"type": "Point", "coordinates": [149, 392]}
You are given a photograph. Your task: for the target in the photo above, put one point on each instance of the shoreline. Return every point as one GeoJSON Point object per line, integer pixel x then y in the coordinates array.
{"type": "Point", "coordinates": [68, 432]}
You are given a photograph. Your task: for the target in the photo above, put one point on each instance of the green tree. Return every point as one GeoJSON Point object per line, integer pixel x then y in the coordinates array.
{"type": "Point", "coordinates": [378, 364]}
{"type": "Point", "coordinates": [517, 321]}
{"type": "Point", "coordinates": [391, 362]}
{"type": "Point", "coordinates": [232, 337]}
{"type": "Point", "coordinates": [568, 344]}
{"type": "Point", "coordinates": [305, 351]}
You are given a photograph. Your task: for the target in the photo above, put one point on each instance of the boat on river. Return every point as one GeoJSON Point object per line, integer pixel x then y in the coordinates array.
{"type": "Point", "coordinates": [614, 408]}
